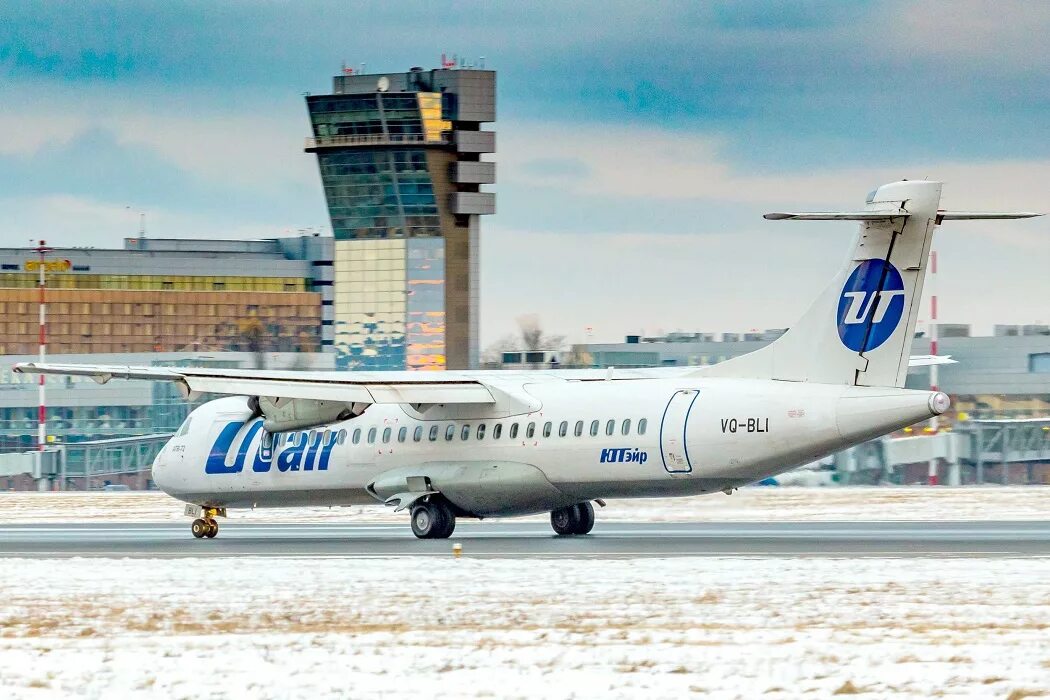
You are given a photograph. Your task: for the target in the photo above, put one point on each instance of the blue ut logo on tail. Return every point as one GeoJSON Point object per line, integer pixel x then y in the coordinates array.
{"type": "Point", "coordinates": [871, 305]}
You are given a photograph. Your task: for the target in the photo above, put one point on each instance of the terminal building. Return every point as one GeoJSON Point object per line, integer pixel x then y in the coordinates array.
{"type": "Point", "coordinates": [169, 295]}
{"type": "Point", "coordinates": [401, 162]}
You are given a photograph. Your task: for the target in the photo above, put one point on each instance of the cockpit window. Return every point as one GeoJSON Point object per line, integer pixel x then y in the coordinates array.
{"type": "Point", "coordinates": [185, 428]}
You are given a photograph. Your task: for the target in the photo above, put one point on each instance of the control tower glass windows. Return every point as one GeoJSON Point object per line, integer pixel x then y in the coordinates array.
{"type": "Point", "coordinates": [375, 117]}
{"type": "Point", "coordinates": [379, 194]}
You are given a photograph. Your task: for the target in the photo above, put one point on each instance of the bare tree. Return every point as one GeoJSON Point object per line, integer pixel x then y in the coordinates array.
{"type": "Point", "coordinates": [532, 336]}
{"type": "Point", "coordinates": [493, 354]}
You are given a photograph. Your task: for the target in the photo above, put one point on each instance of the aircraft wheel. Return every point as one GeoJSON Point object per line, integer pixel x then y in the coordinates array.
{"type": "Point", "coordinates": [433, 520]}
{"type": "Point", "coordinates": [565, 520]}
{"type": "Point", "coordinates": [585, 521]}
{"type": "Point", "coordinates": [199, 528]}
{"type": "Point", "coordinates": [213, 528]}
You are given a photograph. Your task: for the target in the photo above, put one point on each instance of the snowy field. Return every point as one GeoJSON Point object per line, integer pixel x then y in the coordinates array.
{"type": "Point", "coordinates": [749, 504]}
{"type": "Point", "coordinates": [446, 628]}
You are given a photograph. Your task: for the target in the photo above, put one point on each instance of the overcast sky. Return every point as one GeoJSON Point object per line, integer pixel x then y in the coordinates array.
{"type": "Point", "coordinates": [639, 143]}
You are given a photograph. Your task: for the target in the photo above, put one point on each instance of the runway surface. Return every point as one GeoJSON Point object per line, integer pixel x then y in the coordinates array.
{"type": "Point", "coordinates": [535, 539]}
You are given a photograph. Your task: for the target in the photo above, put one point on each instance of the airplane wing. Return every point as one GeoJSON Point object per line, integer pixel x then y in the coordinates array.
{"type": "Point", "coordinates": [347, 387]}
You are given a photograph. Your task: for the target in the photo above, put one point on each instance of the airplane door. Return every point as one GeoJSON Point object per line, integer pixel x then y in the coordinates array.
{"type": "Point", "coordinates": [673, 448]}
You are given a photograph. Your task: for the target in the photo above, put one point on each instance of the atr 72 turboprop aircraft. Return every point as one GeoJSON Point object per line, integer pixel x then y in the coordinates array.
{"type": "Point", "coordinates": [483, 444]}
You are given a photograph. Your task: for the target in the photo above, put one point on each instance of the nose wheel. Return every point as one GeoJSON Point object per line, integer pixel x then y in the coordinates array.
{"type": "Point", "coordinates": [204, 527]}
{"type": "Point", "coordinates": [573, 520]}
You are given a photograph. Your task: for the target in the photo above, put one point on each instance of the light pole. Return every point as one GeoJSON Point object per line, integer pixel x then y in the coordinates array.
{"type": "Point", "coordinates": [41, 435]}
{"type": "Point", "coordinates": [931, 475]}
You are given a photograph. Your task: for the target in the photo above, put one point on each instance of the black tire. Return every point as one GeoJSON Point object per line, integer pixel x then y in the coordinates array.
{"type": "Point", "coordinates": [565, 520]}
{"type": "Point", "coordinates": [448, 519]}
{"type": "Point", "coordinates": [585, 518]}
{"type": "Point", "coordinates": [432, 520]}
{"type": "Point", "coordinates": [199, 528]}
{"type": "Point", "coordinates": [213, 529]}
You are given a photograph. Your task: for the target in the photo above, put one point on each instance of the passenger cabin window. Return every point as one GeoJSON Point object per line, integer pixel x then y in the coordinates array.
{"type": "Point", "coordinates": [563, 428]}
{"type": "Point", "coordinates": [417, 434]}
{"type": "Point", "coordinates": [530, 430]}
{"type": "Point", "coordinates": [481, 431]}
{"type": "Point", "coordinates": [450, 432]}
{"type": "Point", "coordinates": [357, 436]}
{"type": "Point", "coordinates": [578, 430]}
{"type": "Point", "coordinates": [402, 434]}
{"type": "Point", "coordinates": [464, 434]}
{"type": "Point", "coordinates": [341, 437]}
{"type": "Point", "coordinates": [267, 440]}
{"type": "Point", "coordinates": [371, 436]}
{"type": "Point", "coordinates": [434, 430]}
{"type": "Point", "coordinates": [386, 435]}
{"type": "Point", "coordinates": [610, 427]}
{"type": "Point", "coordinates": [513, 430]}
{"type": "Point", "coordinates": [547, 429]}
{"type": "Point", "coordinates": [625, 429]}
{"type": "Point", "coordinates": [497, 430]}
{"type": "Point", "coordinates": [594, 428]}
{"type": "Point", "coordinates": [642, 425]}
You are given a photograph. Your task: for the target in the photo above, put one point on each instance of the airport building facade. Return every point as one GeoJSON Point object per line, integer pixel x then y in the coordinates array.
{"type": "Point", "coordinates": [401, 162]}
{"type": "Point", "coordinates": [167, 295]}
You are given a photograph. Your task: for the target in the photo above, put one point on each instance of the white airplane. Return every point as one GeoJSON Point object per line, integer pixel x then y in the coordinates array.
{"type": "Point", "coordinates": [484, 444]}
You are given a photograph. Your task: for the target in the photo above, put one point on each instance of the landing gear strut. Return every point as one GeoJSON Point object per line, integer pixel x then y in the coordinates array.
{"type": "Point", "coordinates": [573, 520]}
{"type": "Point", "coordinates": [433, 519]}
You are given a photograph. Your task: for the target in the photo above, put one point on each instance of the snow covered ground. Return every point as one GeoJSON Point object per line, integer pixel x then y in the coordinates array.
{"type": "Point", "coordinates": [750, 504]}
{"type": "Point", "coordinates": [556, 628]}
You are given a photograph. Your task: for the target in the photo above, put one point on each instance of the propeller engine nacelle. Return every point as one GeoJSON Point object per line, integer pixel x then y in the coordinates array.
{"type": "Point", "coordinates": [282, 414]}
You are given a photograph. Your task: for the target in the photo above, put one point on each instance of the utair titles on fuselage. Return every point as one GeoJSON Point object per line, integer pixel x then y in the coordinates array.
{"type": "Point", "coordinates": [449, 445]}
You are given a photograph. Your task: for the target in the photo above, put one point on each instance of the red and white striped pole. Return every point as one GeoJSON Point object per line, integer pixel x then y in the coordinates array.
{"type": "Point", "coordinates": [41, 437]}
{"type": "Point", "coordinates": [932, 479]}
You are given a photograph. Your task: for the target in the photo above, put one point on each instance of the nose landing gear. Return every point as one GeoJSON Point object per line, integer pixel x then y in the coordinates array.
{"type": "Point", "coordinates": [204, 524]}
{"type": "Point", "coordinates": [573, 520]}
{"type": "Point", "coordinates": [204, 527]}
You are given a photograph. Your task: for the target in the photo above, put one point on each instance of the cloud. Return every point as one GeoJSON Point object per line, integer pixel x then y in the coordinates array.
{"type": "Point", "coordinates": [1004, 35]}
{"type": "Point", "coordinates": [660, 164]}
{"type": "Point", "coordinates": [256, 146]}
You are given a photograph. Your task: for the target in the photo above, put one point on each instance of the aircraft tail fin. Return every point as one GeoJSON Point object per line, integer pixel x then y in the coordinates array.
{"type": "Point", "coordinates": [860, 330]}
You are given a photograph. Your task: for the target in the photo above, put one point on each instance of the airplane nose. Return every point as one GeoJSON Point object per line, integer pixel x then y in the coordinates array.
{"type": "Point", "coordinates": [161, 468]}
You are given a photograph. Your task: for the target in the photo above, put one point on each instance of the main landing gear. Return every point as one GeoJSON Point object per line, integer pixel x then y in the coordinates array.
{"type": "Point", "coordinates": [573, 520]}
{"type": "Point", "coordinates": [433, 519]}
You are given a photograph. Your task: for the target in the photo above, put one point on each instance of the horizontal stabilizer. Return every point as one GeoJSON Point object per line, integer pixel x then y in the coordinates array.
{"type": "Point", "coordinates": [927, 360]}
{"type": "Point", "coordinates": [943, 215]}
{"type": "Point", "coordinates": [838, 215]}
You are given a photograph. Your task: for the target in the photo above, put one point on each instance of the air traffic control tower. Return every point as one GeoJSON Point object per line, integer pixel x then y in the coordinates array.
{"type": "Point", "coordinates": [400, 156]}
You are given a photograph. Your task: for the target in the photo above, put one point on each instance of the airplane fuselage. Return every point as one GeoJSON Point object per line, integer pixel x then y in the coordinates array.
{"type": "Point", "coordinates": [580, 441]}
